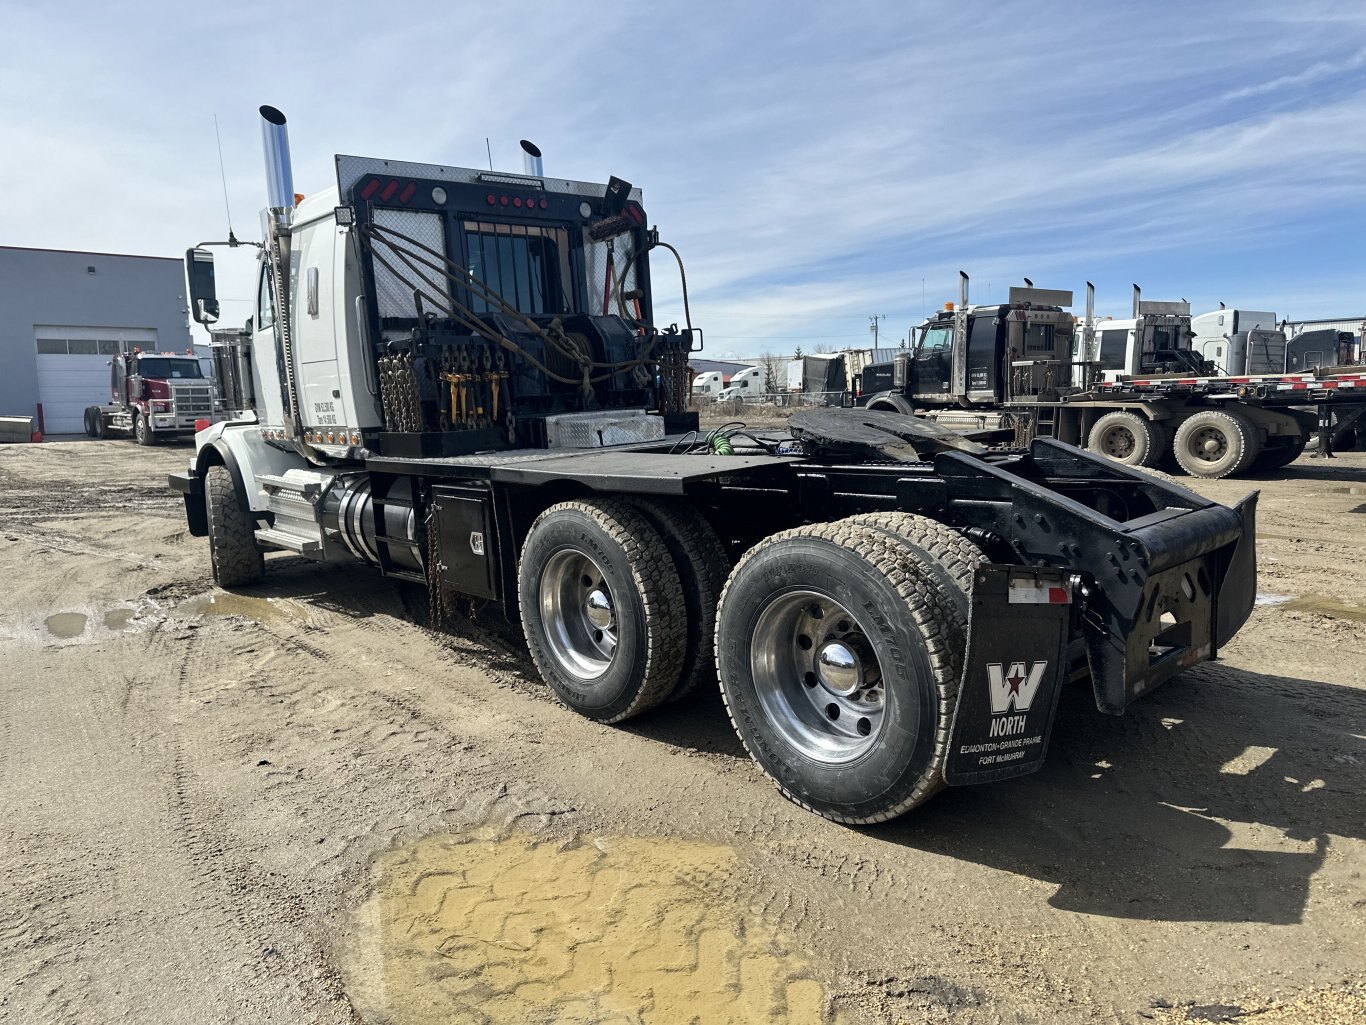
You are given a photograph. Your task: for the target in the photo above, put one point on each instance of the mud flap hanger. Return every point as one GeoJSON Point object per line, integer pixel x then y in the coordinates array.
{"type": "Point", "coordinates": [1019, 622]}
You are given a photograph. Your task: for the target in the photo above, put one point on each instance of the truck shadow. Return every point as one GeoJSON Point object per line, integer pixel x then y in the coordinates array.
{"type": "Point", "coordinates": [1214, 799]}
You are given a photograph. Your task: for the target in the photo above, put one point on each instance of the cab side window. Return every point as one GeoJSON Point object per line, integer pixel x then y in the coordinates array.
{"type": "Point", "coordinates": [265, 301]}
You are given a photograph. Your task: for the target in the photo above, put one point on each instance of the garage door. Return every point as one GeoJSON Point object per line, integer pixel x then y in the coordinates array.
{"type": "Point", "coordinates": [73, 370]}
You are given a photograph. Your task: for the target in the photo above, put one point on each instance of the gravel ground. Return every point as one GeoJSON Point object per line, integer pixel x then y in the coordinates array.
{"type": "Point", "coordinates": [300, 805]}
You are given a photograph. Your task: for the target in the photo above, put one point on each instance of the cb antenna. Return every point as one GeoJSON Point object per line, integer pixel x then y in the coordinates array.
{"type": "Point", "coordinates": [490, 150]}
{"type": "Point", "coordinates": [223, 176]}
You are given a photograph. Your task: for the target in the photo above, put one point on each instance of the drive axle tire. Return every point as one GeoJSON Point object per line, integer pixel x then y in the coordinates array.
{"type": "Point", "coordinates": [1216, 443]}
{"type": "Point", "coordinates": [1127, 438]}
{"type": "Point", "coordinates": [142, 430]}
{"type": "Point", "coordinates": [702, 565]}
{"type": "Point", "coordinates": [839, 658]}
{"type": "Point", "coordinates": [942, 549]}
{"type": "Point", "coordinates": [91, 415]}
{"type": "Point", "coordinates": [602, 608]}
{"type": "Point", "coordinates": [236, 557]}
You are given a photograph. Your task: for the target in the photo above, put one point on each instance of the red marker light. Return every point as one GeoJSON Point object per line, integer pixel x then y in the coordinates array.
{"type": "Point", "coordinates": [407, 192]}
{"type": "Point", "coordinates": [371, 187]}
{"type": "Point", "coordinates": [389, 190]}
{"type": "Point", "coordinates": [516, 200]}
{"type": "Point", "coordinates": [492, 199]}
{"type": "Point", "coordinates": [545, 204]}
{"type": "Point", "coordinates": [503, 200]}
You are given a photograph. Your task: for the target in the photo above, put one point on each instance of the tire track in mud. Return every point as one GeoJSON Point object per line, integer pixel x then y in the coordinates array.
{"type": "Point", "coordinates": [246, 906]}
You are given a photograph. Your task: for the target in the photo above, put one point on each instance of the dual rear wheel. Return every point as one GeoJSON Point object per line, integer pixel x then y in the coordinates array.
{"type": "Point", "coordinates": [838, 645]}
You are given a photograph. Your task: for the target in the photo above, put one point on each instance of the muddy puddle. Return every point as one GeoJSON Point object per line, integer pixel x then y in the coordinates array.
{"type": "Point", "coordinates": [83, 626]}
{"type": "Point", "coordinates": [593, 931]}
{"type": "Point", "coordinates": [225, 603]}
{"type": "Point", "coordinates": [1326, 606]}
{"type": "Point", "coordinates": [66, 625]}
{"type": "Point", "coordinates": [118, 619]}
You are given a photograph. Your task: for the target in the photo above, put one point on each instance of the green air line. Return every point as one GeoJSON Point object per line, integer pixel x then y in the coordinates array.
{"type": "Point", "coordinates": [721, 446]}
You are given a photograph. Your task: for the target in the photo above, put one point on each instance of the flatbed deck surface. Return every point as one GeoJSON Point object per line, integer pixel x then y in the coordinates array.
{"type": "Point", "coordinates": [648, 468]}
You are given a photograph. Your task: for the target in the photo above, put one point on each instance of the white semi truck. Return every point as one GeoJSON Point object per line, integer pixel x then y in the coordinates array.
{"type": "Point", "coordinates": [1240, 341]}
{"type": "Point", "coordinates": [456, 380]}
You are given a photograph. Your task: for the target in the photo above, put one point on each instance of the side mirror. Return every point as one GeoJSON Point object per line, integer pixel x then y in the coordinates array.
{"type": "Point", "coordinates": [199, 277]}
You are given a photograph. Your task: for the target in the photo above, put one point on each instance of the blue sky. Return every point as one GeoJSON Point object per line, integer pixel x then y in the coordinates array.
{"type": "Point", "coordinates": [815, 163]}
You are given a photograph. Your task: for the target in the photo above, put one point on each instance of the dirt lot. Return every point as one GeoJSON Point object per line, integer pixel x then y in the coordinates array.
{"type": "Point", "coordinates": [300, 805]}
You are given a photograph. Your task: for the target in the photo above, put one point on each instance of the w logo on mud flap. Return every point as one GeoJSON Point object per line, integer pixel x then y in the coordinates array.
{"type": "Point", "coordinates": [1015, 689]}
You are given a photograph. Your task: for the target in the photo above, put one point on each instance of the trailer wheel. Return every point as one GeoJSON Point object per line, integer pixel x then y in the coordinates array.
{"type": "Point", "coordinates": [1127, 438]}
{"type": "Point", "coordinates": [1274, 458]}
{"type": "Point", "coordinates": [839, 661]}
{"type": "Point", "coordinates": [142, 430]}
{"type": "Point", "coordinates": [233, 552]}
{"type": "Point", "coordinates": [602, 608]}
{"type": "Point", "coordinates": [945, 551]}
{"type": "Point", "coordinates": [1216, 443]}
{"type": "Point", "coordinates": [700, 559]}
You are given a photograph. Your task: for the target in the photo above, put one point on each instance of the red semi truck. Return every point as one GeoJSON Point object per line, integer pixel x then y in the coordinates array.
{"type": "Point", "coordinates": [153, 395]}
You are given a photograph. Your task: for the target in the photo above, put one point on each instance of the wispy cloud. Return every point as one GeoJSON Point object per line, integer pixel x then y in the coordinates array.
{"type": "Point", "coordinates": [814, 163]}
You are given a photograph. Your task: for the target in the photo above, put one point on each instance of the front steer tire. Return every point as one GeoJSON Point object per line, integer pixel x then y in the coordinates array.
{"type": "Point", "coordinates": [142, 430]}
{"type": "Point", "coordinates": [602, 608]}
{"type": "Point", "coordinates": [858, 745]}
{"type": "Point", "coordinates": [236, 558]}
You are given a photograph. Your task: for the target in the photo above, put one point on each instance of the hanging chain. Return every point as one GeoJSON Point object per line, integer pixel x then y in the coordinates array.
{"type": "Point", "coordinates": [400, 393]}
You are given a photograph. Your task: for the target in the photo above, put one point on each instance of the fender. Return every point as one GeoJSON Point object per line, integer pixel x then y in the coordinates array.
{"type": "Point", "coordinates": [893, 402]}
{"type": "Point", "coordinates": [191, 483]}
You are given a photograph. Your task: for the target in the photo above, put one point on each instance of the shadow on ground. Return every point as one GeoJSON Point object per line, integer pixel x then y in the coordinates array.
{"type": "Point", "coordinates": [1213, 799]}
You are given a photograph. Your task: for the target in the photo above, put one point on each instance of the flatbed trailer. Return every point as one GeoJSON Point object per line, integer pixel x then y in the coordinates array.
{"type": "Point", "coordinates": [887, 608]}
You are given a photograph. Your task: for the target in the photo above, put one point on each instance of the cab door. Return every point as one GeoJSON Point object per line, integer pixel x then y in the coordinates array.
{"type": "Point", "coordinates": [931, 369]}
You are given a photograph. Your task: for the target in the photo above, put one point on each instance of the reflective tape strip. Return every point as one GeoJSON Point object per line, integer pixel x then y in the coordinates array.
{"type": "Point", "coordinates": [1027, 592]}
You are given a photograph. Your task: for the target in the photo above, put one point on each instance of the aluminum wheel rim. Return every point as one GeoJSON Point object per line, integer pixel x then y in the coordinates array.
{"type": "Point", "coordinates": [579, 615]}
{"type": "Point", "coordinates": [829, 710]}
{"type": "Point", "coordinates": [1208, 444]}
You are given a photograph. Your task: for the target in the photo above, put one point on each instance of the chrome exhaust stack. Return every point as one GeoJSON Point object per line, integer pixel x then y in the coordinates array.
{"type": "Point", "coordinates": [531, 159]}
{"type": "Point", "coordinates": [962, 291]}
{"type": "Point", "coordinates": [1138, 294]}
{"type": "Point", "coordinates": [1088, 331]}
{"type": "Point", "coordinates": [279, 172]}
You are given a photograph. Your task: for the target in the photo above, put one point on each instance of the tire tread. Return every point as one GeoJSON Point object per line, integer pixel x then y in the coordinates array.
{"type": "Point", "coordinates": [236, 558]}
{"type": "Point", "coordinates": [656, 581]}
{"type": "Point", "coordinates": [936, 615]}
{"type": "Point", "coordinates": [700, 559]}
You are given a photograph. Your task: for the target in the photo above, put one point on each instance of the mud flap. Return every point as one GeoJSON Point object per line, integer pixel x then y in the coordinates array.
{"type": "Point", "coordinates": [1013, 671]}
{"type": "Point", "coordinates": [1238, 590]}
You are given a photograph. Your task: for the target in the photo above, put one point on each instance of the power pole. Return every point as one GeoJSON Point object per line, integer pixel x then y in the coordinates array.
{"type": "Point", "coordinates": [872, 326]}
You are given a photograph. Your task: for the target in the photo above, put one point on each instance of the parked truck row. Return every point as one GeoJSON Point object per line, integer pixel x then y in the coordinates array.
{"type": "Point", "coordinates": [1143, 391]}
{"type": "Point", "coordinates": [441, 383]}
